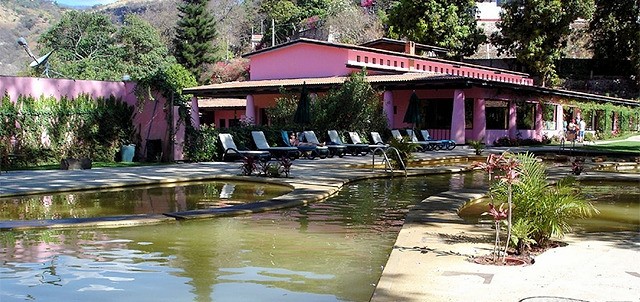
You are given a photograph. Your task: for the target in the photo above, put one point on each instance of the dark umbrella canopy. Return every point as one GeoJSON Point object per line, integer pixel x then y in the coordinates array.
{"type": "Point", "coordinates": [303, 114]}
{"type": "Point", "coordinates": [413, 116]}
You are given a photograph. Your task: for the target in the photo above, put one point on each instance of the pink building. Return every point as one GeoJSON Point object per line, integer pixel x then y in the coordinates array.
{"type": "Point", "coordinates": [460, 101]}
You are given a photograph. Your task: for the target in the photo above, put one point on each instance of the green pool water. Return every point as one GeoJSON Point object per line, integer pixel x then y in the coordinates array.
{"type": "Point", "coordinates": [333, 250]}
{"type": "Point", "coordinates": [137, 200]}
{"type": "Point", "coordinates": [618, 203]}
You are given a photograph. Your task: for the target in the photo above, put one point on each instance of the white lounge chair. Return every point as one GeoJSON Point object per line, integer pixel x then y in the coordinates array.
{"type": "Point", "coordinates": [231, 150]}
{"type": "Point", "coordinates": [377, 139]}
{"type": "Point", "coordinates": [355, 138]}
{"type": "Point", "coordinates": [261, 143]}
{"type": "Point", "coordinates": [353, 149]}
{"type": "Point", "coordinates": [425, 145]}
{"type": "Point", "coordinates": [328, 150]}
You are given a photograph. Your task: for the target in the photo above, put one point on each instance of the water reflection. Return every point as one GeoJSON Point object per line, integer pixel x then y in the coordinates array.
{"type": "Point", "coordinates": [618, 203]}
{"type": "Point", "coordinates": [136, 200]}
{"type": "Point", "coordinates": [329, 251]}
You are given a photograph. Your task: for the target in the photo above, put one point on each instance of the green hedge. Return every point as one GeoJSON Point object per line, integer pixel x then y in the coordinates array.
{"type": "Point", "coordinates": [45, 130]}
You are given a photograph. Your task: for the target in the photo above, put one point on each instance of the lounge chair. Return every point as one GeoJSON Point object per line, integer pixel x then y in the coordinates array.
{"type": "Point", "coordinates": [355, 138]}
{"type": "Point", "coordinates": [332, 150]}
{"type": "Point", "coordinates": [232, 151]}
{"type": "Point", "coordinates": [425, 145]}
{"type": "Point", "coordinates": [422, 146]}
{"type": "Point", "coordinates": [353, 149]}
{"type": "Point", "coordinates": [261, 143]}
{"type": "Point", "coordinates": [446, 143]}
{"type": "Point", "coordinates": [377, 139]}
{"type": "Point", "coordinates": [308, 150]}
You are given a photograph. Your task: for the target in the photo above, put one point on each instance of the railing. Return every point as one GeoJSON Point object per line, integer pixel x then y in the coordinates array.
{"type": "Point", "coordinates": [385, 159]}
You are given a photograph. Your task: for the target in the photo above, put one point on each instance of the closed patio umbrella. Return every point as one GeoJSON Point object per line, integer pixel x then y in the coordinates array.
{"type": "Point", "coordinates": [303, 114]}
{"type": "Point", "coordinates": [413, 116]}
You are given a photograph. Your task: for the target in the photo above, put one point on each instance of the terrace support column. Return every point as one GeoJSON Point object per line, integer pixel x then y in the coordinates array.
{"type": "Point", "coordinates": [250, 111]}
{"type": "Point", "coordinates": [513, 127]}
{"type": "Point", "coordinates": [387, 106]}
{"type": "Point", "coordinates": [560, 119]}
{"type": "Point", "coordinates": [479, 120]}
{"type": "Point", "coordinates": [457, 117]}
{"type": "Point", "coordinates": [538, 121]}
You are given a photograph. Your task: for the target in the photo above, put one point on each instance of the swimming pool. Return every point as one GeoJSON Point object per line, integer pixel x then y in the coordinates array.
{"type": "Point", "coordinates": [333, 250]}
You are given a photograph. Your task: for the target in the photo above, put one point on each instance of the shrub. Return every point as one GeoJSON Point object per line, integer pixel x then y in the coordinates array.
{"type": "Point", "coordinates": [547, 207]}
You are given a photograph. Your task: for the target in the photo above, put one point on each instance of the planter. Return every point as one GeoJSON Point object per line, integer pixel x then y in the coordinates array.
{"type": "Point", "coordinates": [127, 152]}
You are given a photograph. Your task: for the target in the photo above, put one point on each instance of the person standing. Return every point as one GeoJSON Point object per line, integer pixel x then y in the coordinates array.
{"type": "Point", "coordinates": [582, 128]}
{"type": "Point", "coordinates": [572, 131]}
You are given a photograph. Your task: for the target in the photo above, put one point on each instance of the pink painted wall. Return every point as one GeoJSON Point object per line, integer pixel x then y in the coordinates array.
{"type": "Point", "coordinates": [300, 60]}
{"type": "Point", "coordinates": [150, 119]}
{"type": "Point", "coordinates": [390, 62]}
{"type": "Point", "coordinates": [307, 60]}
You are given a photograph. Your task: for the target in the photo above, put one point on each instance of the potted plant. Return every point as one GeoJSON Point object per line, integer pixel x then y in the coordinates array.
{"type": "Point", "coordinates": [477, 145]}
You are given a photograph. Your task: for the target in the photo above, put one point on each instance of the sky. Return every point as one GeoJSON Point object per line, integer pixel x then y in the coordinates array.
{"type": "Point", "coordinates": [83, 2]}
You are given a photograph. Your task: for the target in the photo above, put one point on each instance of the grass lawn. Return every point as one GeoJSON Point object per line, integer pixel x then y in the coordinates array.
{"type": "Point", "coordinates": [625, 146]}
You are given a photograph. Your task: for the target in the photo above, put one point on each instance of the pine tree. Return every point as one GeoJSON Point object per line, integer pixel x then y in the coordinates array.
{"type": "Point", "coordinates": [195, 34]}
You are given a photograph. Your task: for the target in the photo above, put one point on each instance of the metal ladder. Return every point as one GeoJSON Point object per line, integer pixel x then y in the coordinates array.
{"type": "Point", "coordinates": [385, 159]}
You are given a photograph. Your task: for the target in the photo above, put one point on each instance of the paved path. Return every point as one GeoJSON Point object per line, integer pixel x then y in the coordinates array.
{"type": "Point", "coordinates": [429, 261]}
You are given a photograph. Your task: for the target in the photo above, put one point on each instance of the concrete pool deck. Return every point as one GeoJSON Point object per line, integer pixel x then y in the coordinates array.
{"type": "Point", "coordinates": [429, 261]}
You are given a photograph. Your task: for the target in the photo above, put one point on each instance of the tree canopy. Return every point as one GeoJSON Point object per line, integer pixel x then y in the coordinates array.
{"type": "Point", "coordinates": [195, 35]}
{"type": "Point", "coordinates": [446, 23]}
{"type": "Point", "coordinates": [536, 31]}
{"type": "Point", "coordinates": [615, 31]}
{"type": "Point", "coordinates": [84, 44]}
{"type": "Point", "coordinates": [89, 46]}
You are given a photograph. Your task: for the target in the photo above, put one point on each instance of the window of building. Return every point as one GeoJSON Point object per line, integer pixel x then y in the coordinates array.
{"type": "Point", "coordinates": [366, 60]}
{"type": "Point", "coordinates": [234, 123]}
{"type": "Point", "coordinates": [388, 62]}
{"type": "Point", "coordinates": [264, 118]}
{"type": "Point", "coordinates": [525, 115]}
{"type": "Point", "coordinates": [497, 115]}
{"type": "Point", "coordinates": [374, 61]}
{"type": "Point", "coordinates": [357, 58]}
{"type": "Point", "coordinates": [468, 113]}
{"type": "Point", "coordinates": [223, 123]}
{"type": "Point", "coordinates": [439, 114]}
{"type": "Point", "coordinates": [401, 64]}
{"type": "Point", "coordinates": [395, 63]}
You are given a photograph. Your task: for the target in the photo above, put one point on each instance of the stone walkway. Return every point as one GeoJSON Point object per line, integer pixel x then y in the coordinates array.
{"type": "Point", "coordinates": [429, 261]}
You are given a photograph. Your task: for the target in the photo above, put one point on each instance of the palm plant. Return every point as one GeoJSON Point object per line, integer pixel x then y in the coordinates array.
{"type": "Point", "coordinates": [547, 207]}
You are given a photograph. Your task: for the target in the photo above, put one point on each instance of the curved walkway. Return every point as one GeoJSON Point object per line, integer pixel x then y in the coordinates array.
{"type": "Point", "coordinates": [429, 261]}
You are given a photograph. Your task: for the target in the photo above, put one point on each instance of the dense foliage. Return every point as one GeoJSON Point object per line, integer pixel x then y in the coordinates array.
{"type": "Point", "coordinates": [89, 46]}
{"type": "Point", "coordinates": [536, 31]}
{"type": "Point", "coordinates": [615, 31]}
{"type": "Point", "coordinates": [195, 34]}
{"type": "Point", "coordinates": [355, 106]}
{"type": "Point", "coordinates": [46, 130]}
{"type": "Point", "coordinates": [446, 23]}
